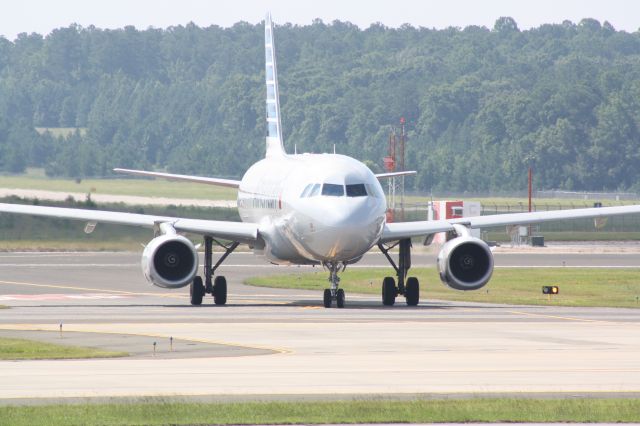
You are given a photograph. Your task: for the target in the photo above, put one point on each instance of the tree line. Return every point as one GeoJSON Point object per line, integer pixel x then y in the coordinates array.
{"type": "Point", "coordinates": [481, 105]}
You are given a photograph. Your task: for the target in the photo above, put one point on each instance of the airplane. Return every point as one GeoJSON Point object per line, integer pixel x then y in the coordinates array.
{"type": "Point", "coordinates": [308, 209]}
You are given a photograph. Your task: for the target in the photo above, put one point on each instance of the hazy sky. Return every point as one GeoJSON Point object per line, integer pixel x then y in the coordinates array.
{"type": "Point", "coordinates": [44, 15]}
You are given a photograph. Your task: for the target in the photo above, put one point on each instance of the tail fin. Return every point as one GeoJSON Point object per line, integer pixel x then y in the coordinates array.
{"type": "Point", "coordinates": [275, 145]}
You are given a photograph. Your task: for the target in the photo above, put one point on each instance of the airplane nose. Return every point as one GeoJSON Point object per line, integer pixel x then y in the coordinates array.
{"type": "Point", "coordinates": [346, 230]}
{"type": "Point", "coordinates": [353, 213]}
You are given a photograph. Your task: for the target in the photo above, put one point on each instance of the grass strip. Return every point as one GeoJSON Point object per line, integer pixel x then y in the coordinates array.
{"type": "Point", "coordinates": [570, 236]}
{"type": "Point", "coordinates": [58, 245]}
{"type": "Point", "coordinates": [36, 179]}
{"type": "Point", "coordinates": [606, 287]}
{"type": "Point", "coordinates": [375, 411]}
{"type": "Point", "coordinates": [22, 349]}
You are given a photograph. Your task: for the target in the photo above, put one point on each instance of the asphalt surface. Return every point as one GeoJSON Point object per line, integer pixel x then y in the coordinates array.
{"type": "Point", "coordinates": [279, 342]}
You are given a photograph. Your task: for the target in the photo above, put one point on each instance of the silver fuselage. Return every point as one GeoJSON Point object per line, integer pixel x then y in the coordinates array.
{"type": "Point", "coordinates": [299, 229]}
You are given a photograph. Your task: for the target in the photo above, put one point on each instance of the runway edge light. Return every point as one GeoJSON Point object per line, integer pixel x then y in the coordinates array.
{"type": "Point", "coordinates": [550, 289]}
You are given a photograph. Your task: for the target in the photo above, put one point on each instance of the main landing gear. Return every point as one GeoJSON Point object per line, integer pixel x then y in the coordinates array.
{"type": "Point", "coordinates": [217, 287]}
{"type": "Point", "coordinates": [409, 287]}
{"type": "Point", "coordinates": [334, 293]}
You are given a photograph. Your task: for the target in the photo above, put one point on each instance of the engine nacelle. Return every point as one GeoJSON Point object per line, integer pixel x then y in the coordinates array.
{"type": "Point", "coordinates": [170, 261]}
{"type": "Point", "coordinates": [465, 263]}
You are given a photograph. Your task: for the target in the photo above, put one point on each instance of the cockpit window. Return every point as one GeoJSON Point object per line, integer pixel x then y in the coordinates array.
{"type": "Point", "coordinates": [306, 191]}
{"type": "Point", "coordinates": [356, 190]}
{"type": "Point", "coordinates": [371, 189]}
{"type": "Point", "coordinates": [335, 190]}
{"type": "Point", "coordinates": [315, 191]}
{"type": "Point", "coordinates": [332, 190]}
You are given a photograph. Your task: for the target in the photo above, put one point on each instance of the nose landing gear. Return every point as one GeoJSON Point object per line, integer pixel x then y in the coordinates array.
{"type": "Point", "coordinates": [334, 293]}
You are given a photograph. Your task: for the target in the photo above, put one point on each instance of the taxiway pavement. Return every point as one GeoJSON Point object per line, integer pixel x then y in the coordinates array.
{"type": "Point", "coordinates": [296, 347]}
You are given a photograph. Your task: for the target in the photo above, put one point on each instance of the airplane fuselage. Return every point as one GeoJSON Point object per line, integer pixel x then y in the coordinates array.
{"type": "Point", "coordinates": [313, 208]}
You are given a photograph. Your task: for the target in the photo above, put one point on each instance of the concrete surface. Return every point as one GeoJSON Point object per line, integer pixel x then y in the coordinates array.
{"type": "Point", "coordinates": [437, 348]}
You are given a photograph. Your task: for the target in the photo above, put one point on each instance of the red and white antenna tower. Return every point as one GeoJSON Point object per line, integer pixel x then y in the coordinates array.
{"type": "Point", "coordinates": [394, 162]}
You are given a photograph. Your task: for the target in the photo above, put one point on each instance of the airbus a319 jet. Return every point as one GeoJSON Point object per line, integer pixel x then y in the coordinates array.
{"type": "Point", "coordinates": [307, 209]}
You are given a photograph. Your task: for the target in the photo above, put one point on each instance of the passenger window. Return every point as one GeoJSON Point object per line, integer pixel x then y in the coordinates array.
{"type": "Point", "coordinates": [356, 190]}
{"type": "Point", "coordinates": [332, 190]}
{"type": "Point", "coordinates": [315, 191]}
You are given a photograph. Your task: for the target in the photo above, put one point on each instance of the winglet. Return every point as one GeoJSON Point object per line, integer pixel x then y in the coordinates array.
{"type": "Point", "coordinates": [275, 145]}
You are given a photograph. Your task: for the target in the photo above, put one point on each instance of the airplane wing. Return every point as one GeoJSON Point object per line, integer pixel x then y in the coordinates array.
{"type": "Point", "coordinates": [197, 179]}
{"type": "Point", "coordinates": [393, 174]}
{"type": "Point", "coordinates": [234, 231]}
{"type": "Point", "coordinates": [401, 230]}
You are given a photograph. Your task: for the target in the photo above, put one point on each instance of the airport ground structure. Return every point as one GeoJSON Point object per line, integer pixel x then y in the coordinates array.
{"type": "Point", "coordinates": [275, 342]}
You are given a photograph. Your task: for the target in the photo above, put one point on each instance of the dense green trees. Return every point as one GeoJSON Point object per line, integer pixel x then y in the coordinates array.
{"type": "Point", "coordinates": [481, 105]}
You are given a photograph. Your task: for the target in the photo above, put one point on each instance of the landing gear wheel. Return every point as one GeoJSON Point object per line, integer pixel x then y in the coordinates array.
{"type": "Point", "coordinates": [220, 290]}
{"type": "Point", "coordinates": [389, 291]}
{"type": "Point", "coordinates": [196, 291]}
{"type": "Point", "coordinates": [340, 298]}
{"type": "Point", "coordinates": [412, 291]}
{"type": "Point", "coordinates": [326, 298]}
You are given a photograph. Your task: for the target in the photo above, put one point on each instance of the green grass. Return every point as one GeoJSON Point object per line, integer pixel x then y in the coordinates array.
{"type": "Point", "coordinates": [136, 187]}
{"type": "Point", "coordinates": [569, 236]}
{"type": "Point", "coordinates": [578, 287]}
{"type": "Point", "coordinates": [519, 204]}
{"type": "Point", "coordinates": [35, 179]}
{"type": "Point", "coordinates": [22, 349]}
{"type": "Point", "coordinates": [543, 203]}
{"type": "Point", "coordinates": [88, 244]}
{"type": "Point", "coordinates": [373, 411]}
{"type": "Point", "coordinates": [23, 234]}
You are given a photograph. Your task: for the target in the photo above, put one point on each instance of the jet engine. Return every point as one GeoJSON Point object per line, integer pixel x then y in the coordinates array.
{"type": "Point", "coordinates": [170, 260]}
{"type": "Point", "coordinates": [465, 263]}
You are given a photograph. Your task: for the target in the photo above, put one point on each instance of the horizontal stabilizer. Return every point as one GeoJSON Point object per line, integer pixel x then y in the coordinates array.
{"type": "Point", "coordinates": [197, 179]}
{"type": "Point", "coordinates": [393, 174]}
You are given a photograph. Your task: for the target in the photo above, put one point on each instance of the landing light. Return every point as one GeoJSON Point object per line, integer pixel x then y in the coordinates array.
{"type": "Point", "coordinates": [550, 289]}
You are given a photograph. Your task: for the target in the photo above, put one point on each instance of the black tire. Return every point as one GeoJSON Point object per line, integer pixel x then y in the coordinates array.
{"type": "Point", "coordinates": [326, 298]}
{"type": "Point", "coordinates": [412, 292]}
{"type": "Point", "coordinates": [196, 291]}
{"type": "Point", "coordinates": [340, 298]}
{"type": "Point", "coordinates": [389, 291]}
{"type": "Point", "coordinates": [220, 290]}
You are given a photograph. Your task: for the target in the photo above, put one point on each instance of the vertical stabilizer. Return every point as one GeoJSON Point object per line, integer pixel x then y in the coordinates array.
{"type": "Point", "coordinates": [274, 125]}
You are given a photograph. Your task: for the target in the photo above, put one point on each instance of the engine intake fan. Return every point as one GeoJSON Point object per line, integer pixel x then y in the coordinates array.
{"type": "Point", "coordinates": [465, 262]}
{"type": "Point", "coordinates": [170, 260]}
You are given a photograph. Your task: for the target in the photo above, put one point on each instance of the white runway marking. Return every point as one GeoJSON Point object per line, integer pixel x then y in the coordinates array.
{"type": "Point", "coordinates": [570, 266]}
{"type": "Point", "coordinates": [43, 297]}
{"type": "Point", "coordinates": [66, 265]}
